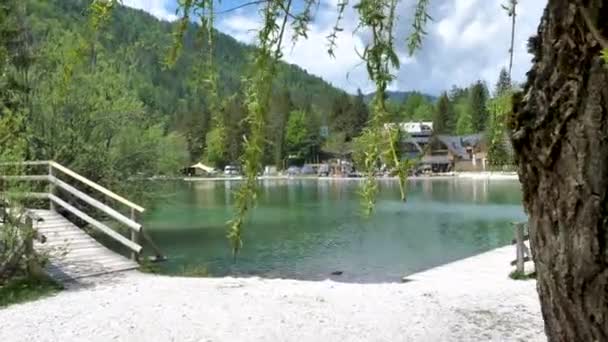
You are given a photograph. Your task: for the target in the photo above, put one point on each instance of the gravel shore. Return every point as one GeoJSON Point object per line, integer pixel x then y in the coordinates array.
{"type": "Point", "coordinates": [468, 300]}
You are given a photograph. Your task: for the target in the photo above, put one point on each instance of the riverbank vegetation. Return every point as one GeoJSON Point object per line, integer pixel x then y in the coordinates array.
{"type": "Point", "coordinates": [19, 290]}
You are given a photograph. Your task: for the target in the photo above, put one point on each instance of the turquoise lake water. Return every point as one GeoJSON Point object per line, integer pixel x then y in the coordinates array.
{"type": "Point", "coordinates": [307, 229]}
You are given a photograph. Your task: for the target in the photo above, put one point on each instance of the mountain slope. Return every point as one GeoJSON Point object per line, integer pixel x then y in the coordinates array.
{"type": "Point", "coordinates": [399, 96]}
{"type": "Point", "coordinates": [138, 39]}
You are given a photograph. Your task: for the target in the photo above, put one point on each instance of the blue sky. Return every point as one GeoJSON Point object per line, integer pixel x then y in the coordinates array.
{"type": "Point", "coordinates": [467, 40]}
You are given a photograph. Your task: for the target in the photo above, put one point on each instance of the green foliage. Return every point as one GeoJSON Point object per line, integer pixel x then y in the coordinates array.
{"type": "Point", "coordinates": [424, 112]}
{"type": "Point", "coordinates": [15, 61]}
{"type": "Point", "coordinates": [198, 271]}
{"type": "Point", "coordinates": [421, 16]}
{"type": "Point", "coordinates": [515, 275]}
{"type": "Point", "coordinates": [464, 125]}
{"type": "Point", "coordinates": [148, 266]}
{"type": "Point", "coordinates": [88, 118]}
{"type": "Point", "coordinates": [333, 36]}
{"type": "Point", "coordinates": [216, 153]}
{"type": "Point", "coordinates": [605, 55]}
{"type": "Point", "coordinates": [281, 106]}
{"type": "Point", "coordinates": [380, 57]}
{"type": "Point", "coordinates": [500, 109]}
{"type": "Point", "coordinates": [503, 84]}
{"type": "Point", "coordinates": [297, 133]}
{"type": "Point", "coordinates": [26, 289]}
{"type": "Point", "coordinates": [337, 144]}
{"type": "Point", "coordinates": [359, 115]}
{"type": "Point", "coordinates": [349, 115]}
{"type": "Point", "coordinates": [302, 20]}
{"type": "Point", "coordinates": [478, 95]}
{"type": "Point", "coordinates": [443, 122]}
{"type": "Point", "coordinates": [137, 44]}
{"type": "Point", "coordinates": [258, 88]}
{"type": "Point", "coordinates": [378, 17]}
{"type": "Point", "coordinates": [416, 107]}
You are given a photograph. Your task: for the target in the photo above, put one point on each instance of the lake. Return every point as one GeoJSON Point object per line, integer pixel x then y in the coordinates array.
{"type": "Point", "coordinates": [307, 229]}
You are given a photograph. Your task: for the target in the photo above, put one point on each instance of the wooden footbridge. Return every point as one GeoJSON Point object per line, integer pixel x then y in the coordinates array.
{"type": "Point", "coordinates": [73, 252]}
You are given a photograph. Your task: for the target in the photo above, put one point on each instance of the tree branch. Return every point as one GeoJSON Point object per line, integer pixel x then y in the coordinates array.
{"type": "Point", "coordinates": [592, 28]}
{"type": "Point", "coordinates": [247, 4]}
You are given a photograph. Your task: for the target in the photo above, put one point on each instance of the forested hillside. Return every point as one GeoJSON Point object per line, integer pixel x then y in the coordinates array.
{"type": "Point", "coordinates": [105, 101]}
{"type": "Point", "coordinates": [401, 96]}
{"type": "Point", "coordinates": [80, 79]}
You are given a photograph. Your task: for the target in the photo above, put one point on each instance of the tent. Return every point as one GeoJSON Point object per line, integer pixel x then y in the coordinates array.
{"type": "Point", "coordinates": [200, 168]}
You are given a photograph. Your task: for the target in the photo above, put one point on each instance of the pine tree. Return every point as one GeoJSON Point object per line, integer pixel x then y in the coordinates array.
{"type": "Point", "coordinates": [503, 84]}
{"type": "Point", "coordinates": [411, 104]}
{"type": "Point", "coordinates": [443, 122]}
{"type": "Point", "coordinates": [297, 134]}
{"type": "Point", "coordinates": [360, 113]}
{"type": "Point", "coordinates": [464, 125]}
{"type": "Point", "coordinates": [341, 117]}
{"type": "Point", "coordinates": [281, 106]}
{"type": "Point", "coordinates": [478, 96]}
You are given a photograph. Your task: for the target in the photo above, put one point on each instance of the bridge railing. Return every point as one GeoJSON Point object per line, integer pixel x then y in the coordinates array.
{"type": "Point", "coordinates": [137, 232]}
{"type": "Point", "coordinates": [522, 252]}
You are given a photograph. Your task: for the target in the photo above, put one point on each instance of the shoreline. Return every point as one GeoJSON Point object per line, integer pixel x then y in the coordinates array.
{"type": "Point", "coordinates": [472, 299]}
{"type": "Point", "coordinates": [452, 175]}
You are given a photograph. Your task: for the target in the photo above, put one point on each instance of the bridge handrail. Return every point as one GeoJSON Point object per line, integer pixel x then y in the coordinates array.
{"type": "Point", "coordinates": [135, 227]}
{"type": "Point", "coordinates": [95, 203]}
{"type": "Point", "coordinates": [82, 179]}
{"type": "Point", "coordinates": [100, 226]}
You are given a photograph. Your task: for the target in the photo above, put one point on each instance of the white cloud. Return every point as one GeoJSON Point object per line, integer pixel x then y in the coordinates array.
{"type": "Point", "coordinates": [467, 40]}
{"type": "Point", "coordinates": [158, 8]}
{"type": "Point", "coordinates": [345, 70]}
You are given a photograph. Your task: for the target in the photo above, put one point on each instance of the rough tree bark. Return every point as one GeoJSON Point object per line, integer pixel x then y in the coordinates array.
{"type": "Point", "coordinates": [560, 135]}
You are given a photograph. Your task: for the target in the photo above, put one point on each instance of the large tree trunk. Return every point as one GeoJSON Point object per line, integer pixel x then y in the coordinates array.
{"type": "Point", "coordinates": [560, 136]}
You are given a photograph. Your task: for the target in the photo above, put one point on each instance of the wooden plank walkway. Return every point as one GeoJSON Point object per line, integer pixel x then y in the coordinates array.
{"type": "Point", "coordinates": [74, 253]}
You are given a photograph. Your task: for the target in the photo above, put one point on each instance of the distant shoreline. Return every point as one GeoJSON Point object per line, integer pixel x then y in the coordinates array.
{"type": "Point", "coordinates": [452, 175]}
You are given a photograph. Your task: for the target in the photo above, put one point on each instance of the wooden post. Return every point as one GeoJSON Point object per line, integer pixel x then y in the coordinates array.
{"type": "Point", "coordinates": [33, 268]}
{"type": "Point", "coordinates": [519, 237]}
{"type": "Point", "coordinates": [51, 187]}
{"type": "Point", "coordinates": [134, 255]}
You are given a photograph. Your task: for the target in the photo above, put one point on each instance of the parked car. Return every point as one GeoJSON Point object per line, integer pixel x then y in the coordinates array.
{"type": "Point", "coordinates": [323, 170]}
{"type": "Point", "coordinates": [293, 171]}
{"type": "Point", "coordinates": [307, 170]}
{"type": "Point", "coordinates": [231, 170]}
{"type": "Point", "coordinates": [355, 174]}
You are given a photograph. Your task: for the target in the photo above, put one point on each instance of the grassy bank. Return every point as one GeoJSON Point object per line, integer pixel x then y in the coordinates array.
{"type": "Point", "coordinates": [24, 289]}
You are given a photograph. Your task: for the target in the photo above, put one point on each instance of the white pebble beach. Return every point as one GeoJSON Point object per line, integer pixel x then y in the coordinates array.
{"type": "Point", "coordinates": [468, 300]}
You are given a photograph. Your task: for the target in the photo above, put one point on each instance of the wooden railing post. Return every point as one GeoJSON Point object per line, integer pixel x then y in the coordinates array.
{"type": "Point", "coordinates": [33, 267]}
{"type": "Point", "coordinates": [134, 238]}
{"type": "Point", "coordinates": [51, 187]}
{"type": "Point", "coordinates": [520, 247]}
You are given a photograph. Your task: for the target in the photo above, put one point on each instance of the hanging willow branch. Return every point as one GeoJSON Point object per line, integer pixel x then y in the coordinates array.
{"type": "Point", "coordinates": [375, 16]}
{"type": "Point", "coordinates": [333, 36]}
{"type": "Point", "coordinates": [257, 99]}
{"type": "Point", "coordinates": [378, 16]}
{"type": "Point", "coordinates": [100, 12]}
{"type": "Point", "coordinates": [421, 17]}
{"type": "Point", "coordinates": [302, 21]}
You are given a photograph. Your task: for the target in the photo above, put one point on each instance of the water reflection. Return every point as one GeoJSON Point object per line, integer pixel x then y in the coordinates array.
{"type": "Point", "coordinates": [307, 229]}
